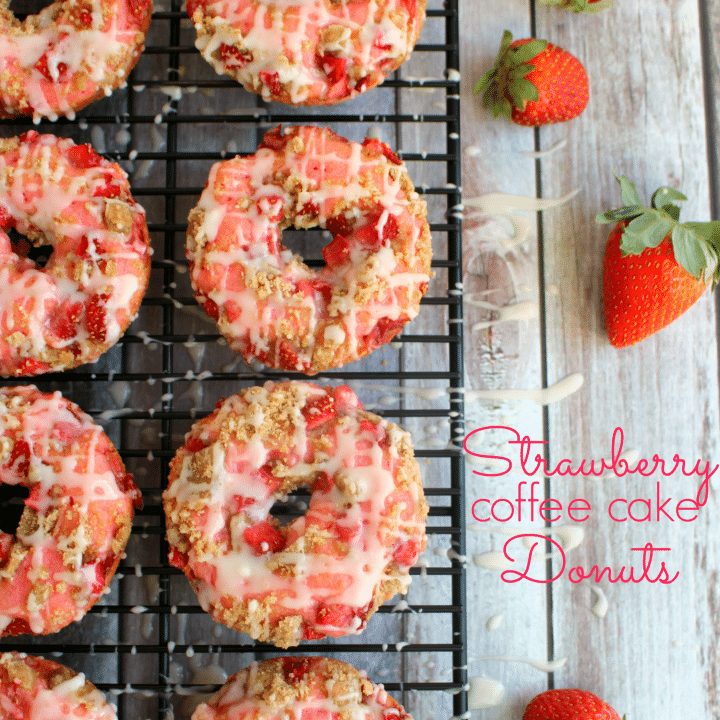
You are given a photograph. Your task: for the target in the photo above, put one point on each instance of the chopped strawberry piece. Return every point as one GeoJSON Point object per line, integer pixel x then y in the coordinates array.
{"type": "Point", "coordinates": [288, 359]}
{"type": "Point", "coordinates": [239, 502]}
{"type": "Point", "coordinates": [390, 228]}
{"type": "Point", "coordinates": [42, 66]}
{"type": "Point", "coordinates": [310, 287]}
{"type": "Point", "coordinates": [83, 157]}
{"type": "Point", "coordinates": [385, 47]}
{"type": "Point", "coordinates": [86, 18]}
{"type": "Point", "coordinates": [336, 252]}
{"type": "Point", "coordinates": [411, 7]}
{"type": "Point", "coordinates": [177, 559]}
{"type": "Point", "coordinates": [233, 56]}
{"type": "Point", "coordinates": [407, 553]}
{"type": "Point", "coordinates": [272, 82]}
{"type": "Point", "coordinates": [95, 316]}
{"type": "Point", "coordinates": [271, 206]}
{"type": "Point", "coordinates": [211, 309]}
{"type": "Point", "coordinates": [266, 474]}
{"type": "Point", "coordinates": [295, 668]}
{"type": "Point", "coordinates": [6, 543]}
{"type": "Point", "coordinates": [378, 146]}
{"type": "Point", "coordinates": [126, 485]}
{"type": "Point", "coordinates": [194, 445]}
{"type": "Point", "coordinates": [362, 84]}
{"type": "Point", "coordinates": [140, 8]}
{"type": "Point", "coordinates": [338, 616]}
{"type": "Point", "coordinates": [102, 571]}
{"type": "Point", "coordinates": [5, 218]}
{"type": "Point", "coordinates": [318, 410]}
{"type": "Point", "coordinates": [338, 225]}
{"type": "Point", "coordinates": [385, 330]}
{"type": "Point", "coordinates": [20, 457]}
{"type": "Point", "coordinates": [62, 324]}
{"type": "Point", "coordinates": [108, 190]}
{"type": "Point", "coordinates": [333, 67]}
{"type": "Point", "coordinates": [192, 5]}
{"type": "Point", "coordinates": [274, 139]}
{"type": "Point", "coordinates": [30, 366]}
{"type": "Point", "coordinates": [309, 208]}
{"type": "Point", "coordinates": [322, 482]}
{"type": "Point", "coordinates": [264, 538]}
{"type": "Point", "coordinates": [17, 627]}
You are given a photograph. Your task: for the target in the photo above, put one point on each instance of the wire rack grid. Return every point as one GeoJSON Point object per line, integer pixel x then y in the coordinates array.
{"type": "Point", "coordinates": [147, 643]}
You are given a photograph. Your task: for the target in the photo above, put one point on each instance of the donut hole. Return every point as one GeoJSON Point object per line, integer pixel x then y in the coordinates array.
{"type": "Point", "coordinates": [39, 254]}
{"type": "Point", "coordinates": [22, 8]}
{"type": "Point", "coordinates": [308, 244]}
{"type": "Point", "coordinates": [12, 504]}
{"type": "Point", "coordinates": [287, 509]}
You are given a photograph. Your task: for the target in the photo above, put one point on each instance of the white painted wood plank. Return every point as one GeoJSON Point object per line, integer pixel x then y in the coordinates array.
{"type": "Point", "coordinates": [504, 356]}
{"type": "Point", "coordinates": [645, 119]}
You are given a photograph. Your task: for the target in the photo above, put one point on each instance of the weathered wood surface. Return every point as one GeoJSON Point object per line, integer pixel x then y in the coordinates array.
{"type": "Point", "coordinates": [646, 119]}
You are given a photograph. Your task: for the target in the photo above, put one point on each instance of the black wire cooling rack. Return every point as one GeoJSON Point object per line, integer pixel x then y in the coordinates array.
{"type": "Point", "coordinates": [148, 644]}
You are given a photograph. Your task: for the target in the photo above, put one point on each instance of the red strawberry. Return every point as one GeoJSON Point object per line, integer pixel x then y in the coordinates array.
{"type": "Point", "coordinates": [318, 410]}
{"type": "Point", "coordinates": [295, 668]}
{"type": "Point", "coordinates": [378, 146]}
{"type": "Point", "coordinates": [333, 67]}
{"type": "Point", "coordinates": [62, 323]}
{"type": "Point", "coordinates": [580, 6]}
{"type": "Point", "coordinates": [30, 366]}
{"type": "Point", "coordinates": [83, 157]}
{"type": "Point", "coordinates": [95, 312]}
{"type": "Point", "coordinates": [655, 268]}
{"type": "Point", "coordinates": [385, 330]}
{"type": "Point", "coordinates": [264, 538]}
{"type": "Point", "coordinates": [42, 66]}
{"type": "Point", "coordinates": [234, 57]}
{"type": "Point", "coordinates": [534, 82]}
{"type": "Point", "coordinates": [141, 8]}
{"type": "Point", "coordinates": [272, 82]}
{"type": "Point", "coordinates": [568, 705]}
{"type": "Point", "coordinates": [20, 457]}
{"type": "Point", "coordinates": [177, 559]}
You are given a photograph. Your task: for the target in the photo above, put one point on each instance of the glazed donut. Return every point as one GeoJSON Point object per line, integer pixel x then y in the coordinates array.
{"type": "Point", "coordinates": [326, 572]}
{"type": "Point", "coordinates": [307, 52]}
{"type": "Point", "coordinates": [32, 688]}
{"type": "Point", "coordinates": [76, 521]}
{"type": "Point", "coordinates": [70, 311]}
{"type": "Point", "coordinates": [300, 687]}
{"type": "Point", "coordinates": [68, 55]}
{"type": "Point", "coordinates": [267, 302]}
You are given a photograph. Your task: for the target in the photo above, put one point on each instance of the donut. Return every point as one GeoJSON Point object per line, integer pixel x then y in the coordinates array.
{"type": "Point", "coordinates": [76, 520]}
{"type": "Point", "coordinates": [327, 571]}
{"type": "Point", "coordinates": [32, 688]}
{"type": "Point", "coordinates": [295, 688]}
{"type": "Point", "coordinates": [307, 52]}
{"type": "Point", "coordinates": [68, 55]}
{"type": "Point", "coordinates": [70, 311]}
{"type": "Point", "coordinates": [266, 301]}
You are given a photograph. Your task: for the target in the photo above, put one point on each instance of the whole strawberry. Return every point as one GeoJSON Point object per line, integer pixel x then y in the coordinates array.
{"type": "Point", "coordinates": [568, 705]}
{"type": "Point", "coordinates": [580, 6]}
{"type": "Point", "coordinates": [655, 268]}
{"type": "Point", "coordinates": [534, 82]}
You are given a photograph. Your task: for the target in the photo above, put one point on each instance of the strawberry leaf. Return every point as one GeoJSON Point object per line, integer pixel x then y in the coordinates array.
{"type": "Point", "coordinates": [624, 213]}
{"type": "Point", "coordinates": [522, 91]}
{"type": "Point", "coordinates": [665, 198]}
{"type": "Point", "coordinates": [524, 53]}
{"type": "Point", "coordinates": [628, 193]}
{"type": "Point", "coordinates": [688, 249]}
{"type": "Point", "coordinates": [484, 81]}
{"type": "Point", "coordinates": [646, 231]}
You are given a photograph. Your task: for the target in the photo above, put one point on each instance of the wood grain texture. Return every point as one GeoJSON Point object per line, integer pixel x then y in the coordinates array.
{"type": "Point", "coordinates": [645, 119]}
